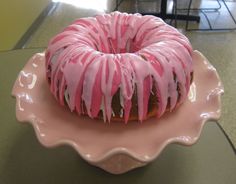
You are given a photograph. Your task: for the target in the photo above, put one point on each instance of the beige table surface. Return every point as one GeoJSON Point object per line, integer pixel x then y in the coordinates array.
{"type": "Point", "coordinates": [23, 160]}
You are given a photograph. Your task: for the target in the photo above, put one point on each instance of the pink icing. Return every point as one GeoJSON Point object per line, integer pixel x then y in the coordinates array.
{"type": "Point", "coordinates": [94, 57]}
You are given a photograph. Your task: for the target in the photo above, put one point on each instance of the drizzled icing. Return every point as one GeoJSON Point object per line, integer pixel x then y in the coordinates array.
{"type": "Point", "coordinates": [95, 57]}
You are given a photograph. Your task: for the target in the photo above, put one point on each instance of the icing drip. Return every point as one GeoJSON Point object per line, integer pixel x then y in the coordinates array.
{"type": "Point", "coordinates": [95, 57]}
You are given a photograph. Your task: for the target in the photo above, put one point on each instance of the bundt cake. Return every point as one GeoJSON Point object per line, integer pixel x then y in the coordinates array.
{"type": "Point", "coordinates": [119, 67]}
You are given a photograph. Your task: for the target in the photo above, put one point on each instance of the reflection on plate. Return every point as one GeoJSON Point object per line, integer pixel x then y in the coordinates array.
{"type": "Point", "coordinates": [116, 147]}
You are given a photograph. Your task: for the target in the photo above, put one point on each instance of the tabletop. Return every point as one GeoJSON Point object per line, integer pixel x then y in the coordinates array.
{"type": "Point", "coordinates": [23, 160]}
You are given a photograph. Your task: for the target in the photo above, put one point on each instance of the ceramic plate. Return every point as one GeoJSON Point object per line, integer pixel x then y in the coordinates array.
{"type": "Point", "coordinates": [116, 147]}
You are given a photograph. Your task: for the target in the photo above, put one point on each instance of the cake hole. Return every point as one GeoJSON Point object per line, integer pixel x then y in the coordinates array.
{"type": "Point", "coordinates": [119, 44]}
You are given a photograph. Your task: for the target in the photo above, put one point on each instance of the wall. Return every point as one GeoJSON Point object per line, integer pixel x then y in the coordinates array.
{"type": "Point", "coordinates": [16, 16]}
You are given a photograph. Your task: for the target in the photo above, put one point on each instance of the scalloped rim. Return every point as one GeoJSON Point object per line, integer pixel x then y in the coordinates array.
{"type": "Point", "coordinates": [121, 150]}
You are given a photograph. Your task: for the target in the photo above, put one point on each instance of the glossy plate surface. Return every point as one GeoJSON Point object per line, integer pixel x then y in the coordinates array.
{"type": "Point", "coordinates": [116, 147]}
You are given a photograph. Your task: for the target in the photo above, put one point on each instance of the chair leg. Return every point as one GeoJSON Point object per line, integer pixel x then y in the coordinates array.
{"type": "Point", "coordinates": [226, 6]}
{"type": "Point", "coordinates": [188, 12]}
{"type": "Point", "coordinates": [204, 10]}
{"type": "Point", "coordinates": [175, 11]}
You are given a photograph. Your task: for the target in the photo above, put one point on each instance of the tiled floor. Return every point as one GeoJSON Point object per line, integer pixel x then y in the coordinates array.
{"type": "Point", "coordinates": [218, 47]}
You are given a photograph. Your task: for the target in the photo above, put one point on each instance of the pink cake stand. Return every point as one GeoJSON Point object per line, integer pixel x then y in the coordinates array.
{"type": "Point", "coordinates": [116, 147]}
